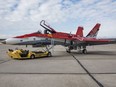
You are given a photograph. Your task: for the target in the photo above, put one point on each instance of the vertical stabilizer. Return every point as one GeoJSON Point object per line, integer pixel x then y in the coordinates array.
{"type": "Point", "coordinates": [79, 31]}
{"type": "Point", "coordinates": [94, 31]}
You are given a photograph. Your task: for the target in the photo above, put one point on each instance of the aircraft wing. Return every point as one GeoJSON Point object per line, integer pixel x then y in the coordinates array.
{"type": "Point", "coordinates": [94, 41]}
{"type": "Point", "coordinates": [99, 41]}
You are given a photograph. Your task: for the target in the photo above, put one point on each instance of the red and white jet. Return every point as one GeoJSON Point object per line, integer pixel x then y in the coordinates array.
{"type": "Point", "coordinates": [51, 36]}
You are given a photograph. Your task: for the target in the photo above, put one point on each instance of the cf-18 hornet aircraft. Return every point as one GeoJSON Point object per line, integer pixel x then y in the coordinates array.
{"type": "Point", "coordinates": [51, 36]}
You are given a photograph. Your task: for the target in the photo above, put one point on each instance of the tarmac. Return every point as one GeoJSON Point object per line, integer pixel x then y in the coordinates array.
{"type": "Point", "coordinates": [60, 70]}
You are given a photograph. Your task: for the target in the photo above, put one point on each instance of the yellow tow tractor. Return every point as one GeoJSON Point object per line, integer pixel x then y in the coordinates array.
{"type": "Point", "coordinates": [24, 54]}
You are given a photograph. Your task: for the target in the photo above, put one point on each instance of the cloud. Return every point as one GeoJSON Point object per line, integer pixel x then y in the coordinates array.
{"type": "Point", "coordinates": [4, 36]}
{"type": "Point", "coordinates": [57, 9]}
{"type": "Point", "coordinates": [82, 12]}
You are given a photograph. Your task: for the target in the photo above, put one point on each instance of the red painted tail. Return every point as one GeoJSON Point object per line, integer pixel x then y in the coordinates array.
{"type": "Point", "coordinates": [94, 31]}
{"type": "Point", "coordinates": [79, 32]}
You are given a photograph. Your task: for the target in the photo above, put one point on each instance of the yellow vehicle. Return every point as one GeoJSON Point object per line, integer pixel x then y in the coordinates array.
{"type": "Point", "coordinates": [22, 54]}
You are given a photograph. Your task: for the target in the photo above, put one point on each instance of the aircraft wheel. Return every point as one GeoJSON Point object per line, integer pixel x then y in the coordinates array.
{"type": "Point", "coordinates": [32, 56]}
{"type": "Point", "coordinates": [84, 51]}
{"type": "Point", "coordinates": [49, 54]}
{"type": "Point", "coordinates": [68, 51]}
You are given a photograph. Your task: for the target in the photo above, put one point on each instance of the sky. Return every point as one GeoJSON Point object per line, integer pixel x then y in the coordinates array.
{"type": "Point", "coordinates": [18, 17]}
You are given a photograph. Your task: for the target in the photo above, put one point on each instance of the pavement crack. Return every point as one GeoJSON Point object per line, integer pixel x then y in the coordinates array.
{"type": "Point", "coordinates": [100, 85]}
{"type": "Point", "coordinates": [54, 73]}
{"type": "Point", "coordinates": [5, 61]}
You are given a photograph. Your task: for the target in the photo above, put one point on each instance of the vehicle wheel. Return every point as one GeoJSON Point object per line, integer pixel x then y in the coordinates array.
{"type": "Point", "coordinates": [68, 51]}
{"type": "Point", "coordinates": [49, 54]}
{"type": "Point", "coordinates": [32, 56]}
{"type": "Point", "coordinates": [84, 51]}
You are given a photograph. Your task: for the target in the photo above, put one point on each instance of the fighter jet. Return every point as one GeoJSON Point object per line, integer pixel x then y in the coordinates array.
{"type": "Point", "coordinates": [51, 36]}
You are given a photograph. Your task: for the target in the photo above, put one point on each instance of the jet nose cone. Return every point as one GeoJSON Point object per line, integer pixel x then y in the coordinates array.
{"type": "Point", "coordinates": [3, 42]}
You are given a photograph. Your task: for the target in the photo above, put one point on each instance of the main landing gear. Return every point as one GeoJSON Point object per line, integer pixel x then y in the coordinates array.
{"type": "Point", "coordinates": [82, 50]}
{"type": "Point", "coordinates": [69, 49]}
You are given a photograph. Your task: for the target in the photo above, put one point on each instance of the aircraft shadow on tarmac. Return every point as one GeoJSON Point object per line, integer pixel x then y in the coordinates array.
{"type": "Point", "coordinates": [108, 53]}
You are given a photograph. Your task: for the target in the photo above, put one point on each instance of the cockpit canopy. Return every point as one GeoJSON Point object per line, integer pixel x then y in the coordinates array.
{"type": "Point", "coordinates": [44, 32]}
{"type": "Point", "coordinates": [39, 32]}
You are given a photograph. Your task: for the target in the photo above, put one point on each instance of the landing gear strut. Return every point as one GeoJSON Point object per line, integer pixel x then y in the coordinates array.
{"type": "Point", "coordinates": [48, 48]}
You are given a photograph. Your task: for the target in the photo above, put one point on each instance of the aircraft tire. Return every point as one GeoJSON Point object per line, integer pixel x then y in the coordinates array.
{"type": "Point", "coordinates": [84, 51]}
{"type": "Point", "coordinates": [32, 56]}
{"type": "Point", "coordinates": [49, 54]}
{"type": "Point", "coordinates": [68, 51]}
